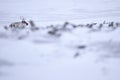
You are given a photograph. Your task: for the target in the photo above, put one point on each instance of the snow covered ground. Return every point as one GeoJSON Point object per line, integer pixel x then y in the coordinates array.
{"type": "Point", "coordinates": [80, 53]}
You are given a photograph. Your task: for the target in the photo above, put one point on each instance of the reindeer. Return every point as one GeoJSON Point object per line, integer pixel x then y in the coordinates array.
{"type": "Point", "coordinates": [90, 25]}
{"type": "Point", "coordinates": [65, 24]}
{"type": "Point", "coordinates": [100, 26]}
{"type": "Point", "coordinates": [33, 26]}
{"type": "Point", "coordinates": [112, 25]}
{"type": "Point", "coordinates": [117, 24]}
{"type": "Point", "coordinates": [19, 25]}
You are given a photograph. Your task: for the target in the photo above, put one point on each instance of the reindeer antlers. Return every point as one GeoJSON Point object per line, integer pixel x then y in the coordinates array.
{"type": "Point", "coordinates": [22, 18]}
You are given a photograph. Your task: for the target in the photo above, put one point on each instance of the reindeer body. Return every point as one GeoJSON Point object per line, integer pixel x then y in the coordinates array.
{"type": "Point", "coordinates": [19, 25]}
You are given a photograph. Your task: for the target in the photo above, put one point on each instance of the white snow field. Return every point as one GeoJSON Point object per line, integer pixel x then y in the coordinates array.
{"type": "Point", "coordinates": [72, 52]}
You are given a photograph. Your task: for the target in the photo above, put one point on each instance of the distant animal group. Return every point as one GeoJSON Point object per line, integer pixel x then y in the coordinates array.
{"type": "Point", "coordinates": [66, 26]}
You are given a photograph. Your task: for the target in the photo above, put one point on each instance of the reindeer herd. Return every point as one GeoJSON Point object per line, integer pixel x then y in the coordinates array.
{"type": "Point", "coordinates": [54, 29]}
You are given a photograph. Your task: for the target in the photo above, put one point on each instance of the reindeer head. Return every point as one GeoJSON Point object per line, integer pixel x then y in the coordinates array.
{"type": "Point", "coordinates": [23, 20]}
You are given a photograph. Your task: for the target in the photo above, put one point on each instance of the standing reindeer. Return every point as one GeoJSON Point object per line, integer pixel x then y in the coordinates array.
{"type": "Point", "coordinates": [19, 25]}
